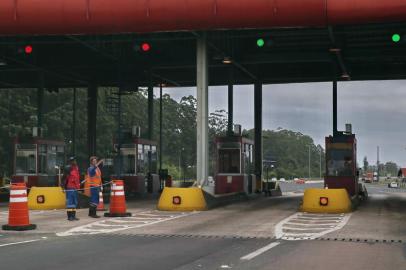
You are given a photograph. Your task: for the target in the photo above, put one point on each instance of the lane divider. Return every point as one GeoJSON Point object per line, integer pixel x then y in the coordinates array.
{"type": "Point", "coordinates": [295, 228]}
{"type": "Point", "coordinates": [259, 251]}
{"type": "Point", "coordinates": [123, 223]}
{"type": "Point", "coordinates": [18, 243]}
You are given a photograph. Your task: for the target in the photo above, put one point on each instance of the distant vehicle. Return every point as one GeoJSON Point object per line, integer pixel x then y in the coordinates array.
{"type": "Point", "coordinates": [295, 179]}
{"type": "Point", "coordinates": [376, 177]}
{"type": "Point", "coordinates": [282, 180]}
{"type": "Point", "coordinates": [273, 179]}
{"type": "Point", "coordinates": [369, 177]}
{"type": "Point", "coordinates": [300, 181]}
{"type": "Point", "coordinates": [393, 185]}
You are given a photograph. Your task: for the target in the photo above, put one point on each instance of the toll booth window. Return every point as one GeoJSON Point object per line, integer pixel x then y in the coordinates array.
{"type": "Point", "coordinates": [340, 163]}
{"type": "Point", "coordinates": [154, 158]}
{"type": "Point", "coordinates": [42, 156]}
{"type": "Point", "coordinates": [128, 156]}
{"type": "Point", "coordinates": [148, 157]}
{"type": "Point", "coordinates": [229, 161]}
{"type": "Point", "coordinates": [247, 163]}
{"type": "Point", "coordinates": [26, 159]}
{"type": "Point", "coordinates": [51, 160]}
{"type": "Point", "coordinates": [60, 155]}
{"type": "Point", "coordinates": [140, 158]}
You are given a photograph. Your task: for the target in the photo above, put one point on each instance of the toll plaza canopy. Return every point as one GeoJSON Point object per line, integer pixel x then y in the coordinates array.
{"type": "Point", "coordinates": [71, 43]}
{"type": "Point", "coordinates": [120, 16]}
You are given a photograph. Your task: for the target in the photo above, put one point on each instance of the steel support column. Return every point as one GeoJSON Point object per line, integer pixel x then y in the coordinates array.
{"type": "Point", "coordinates": [334, 107]}
{"type": "Point", "coordinates": [230, 102]}
{"type": "Point", "coordinates": [40, 108]}
{"type": "Point", "coordinates": [91, 119]}
{"type": "Point", "coordinates": [74, 122]}
{"type": "Point", "coordinates": [202, 82]}
{"type": "Point", "coordinates": [258, 132]}
{"type": "Point", "coordinates": [160, 127]}
{"type": "Point", "coordinates": [150, 111]}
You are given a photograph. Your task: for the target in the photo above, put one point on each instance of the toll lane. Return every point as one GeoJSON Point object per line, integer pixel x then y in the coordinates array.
{"type": "Point", "coordinates": [181, 253]}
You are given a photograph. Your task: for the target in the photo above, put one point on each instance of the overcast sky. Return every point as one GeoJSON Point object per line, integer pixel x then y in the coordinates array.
{"type": "Point", "coordinates": [376, 110]}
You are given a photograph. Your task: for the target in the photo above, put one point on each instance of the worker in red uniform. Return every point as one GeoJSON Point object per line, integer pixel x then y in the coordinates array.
{"type": "Point", "coordinates": [95, 181]}
{"type": "Point", "coordinates": [71, 185]}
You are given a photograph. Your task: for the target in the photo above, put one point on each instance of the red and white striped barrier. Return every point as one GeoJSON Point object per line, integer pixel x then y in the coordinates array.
{"type": "Point", "coordinates": [100, 206]}
{"type": "Point", "coordinates": [18, 217]}
{"type": "Point", "coordinates": [117, 200]}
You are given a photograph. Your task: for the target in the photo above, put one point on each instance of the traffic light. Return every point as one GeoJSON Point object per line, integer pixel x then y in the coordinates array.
{"type": "Point", "coordinates": [396, 37]}
{"type": "Point", "coordinates": [145, 47]}
{"type": "Point", "coordinates": [264, 42]}
{"type": "Point", "coordinates": [28, 49]}
{"type": "Point", "coordinates": [142, 47]}
{"type": "Point", "coordinates": [260, 42]}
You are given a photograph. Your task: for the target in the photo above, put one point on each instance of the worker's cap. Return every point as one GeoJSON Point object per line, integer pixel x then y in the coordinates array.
{"type": "Point", "coordinates": [72, 158]}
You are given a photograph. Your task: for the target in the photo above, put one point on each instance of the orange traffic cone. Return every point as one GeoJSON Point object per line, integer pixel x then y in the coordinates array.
{"type": "Point", "coordinates": [117, 200]}
{"type": "Point", "coordinates": [100, 206]}
{"type": "Point", "coordinates": [18, 218]}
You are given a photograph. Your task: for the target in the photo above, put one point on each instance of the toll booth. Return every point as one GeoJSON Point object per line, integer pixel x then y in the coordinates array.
{"type": "Point", "coordinates": [341, 163]}
{"type": "Point", "coordinates": [234, 165]}
{"type": "Point", "coordinates": [38, 162]}
{"type": "Point", "coordinates": [139, 166]}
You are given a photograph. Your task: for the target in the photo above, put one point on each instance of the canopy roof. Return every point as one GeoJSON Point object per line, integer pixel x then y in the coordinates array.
{"type": "Point", "coordinates": [58, 17]}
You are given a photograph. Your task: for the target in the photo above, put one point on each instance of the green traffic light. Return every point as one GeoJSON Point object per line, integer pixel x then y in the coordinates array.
{"type": "Point", "coordinates": [395, 37]}
{"type": "Point", "coordinates": [260, 42]}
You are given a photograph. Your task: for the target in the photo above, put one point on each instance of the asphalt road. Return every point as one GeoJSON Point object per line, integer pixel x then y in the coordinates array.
{"type": "Point", "coordinates": [372, 188]}
{"type": "Point", "coordinates": [382, 188]}
{"type": "Point", "coordinates": [293, 187]}
{"type": "Point", "coordinates": [137, 252]}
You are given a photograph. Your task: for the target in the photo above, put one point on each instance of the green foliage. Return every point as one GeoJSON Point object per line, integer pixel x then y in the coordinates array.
{"type": "Point", "coordinates": [390, 168]}
{"type": "Point", "coordinates": [366, 164]}
{"type": "Point", "coordinates": [290, 150]}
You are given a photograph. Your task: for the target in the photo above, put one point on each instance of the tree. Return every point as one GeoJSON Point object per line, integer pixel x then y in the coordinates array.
{"type": "Point", "coordinates": [366, 164]}
{"type": "Point", "coordinates": [391, 168]}
{"type": "Point", "coordinates": [218, 122]}
{"type": "Point", "coordinates": [290, 150]}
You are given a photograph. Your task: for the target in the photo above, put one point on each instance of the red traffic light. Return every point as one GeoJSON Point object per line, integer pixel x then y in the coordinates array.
{"type": "Point", "coordinates": [145, 47]}
{"type": "Point", "coordinates": [28, 49]}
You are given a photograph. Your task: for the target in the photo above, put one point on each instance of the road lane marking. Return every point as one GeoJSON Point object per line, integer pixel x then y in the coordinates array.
{"type": "Point", "coordinates": [304, 229]}
{"type": "Point", "coordinates": [319, 218]}
{"type": "Point", "coordinates": [112, 225]}
{"type": "Point", "coordinates": [22, 242]}
{"type": "Point", "coordinates": [259, 251]}
{"type": "Point", "coordinates": [310, 224]}
{"type": "Point", "coordinates": [294, 228]}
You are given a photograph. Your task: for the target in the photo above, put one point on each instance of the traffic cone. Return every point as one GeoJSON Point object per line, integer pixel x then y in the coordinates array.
{"type": "Point", "coordinates": [100, 206]}
{"type": "Point", "coordinates": [117, 200]}
{"type": "Point", "coordinates": [18, 216]}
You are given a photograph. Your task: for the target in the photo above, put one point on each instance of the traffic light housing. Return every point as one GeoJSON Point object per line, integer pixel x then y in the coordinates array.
{"type": "Point", "coordinates": [142, 47]}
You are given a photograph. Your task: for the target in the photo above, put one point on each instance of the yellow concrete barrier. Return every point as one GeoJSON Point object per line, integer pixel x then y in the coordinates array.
{"type": "Point", "coordinates": [182, 199]}
{"type": "Point", "coordinates": [326, 201]}
{"type": "Point", "coordinates": [46, 198]}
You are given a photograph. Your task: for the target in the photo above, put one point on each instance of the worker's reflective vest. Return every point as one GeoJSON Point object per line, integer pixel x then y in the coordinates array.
{"type": "Point", "coordinates": [96, 180]}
